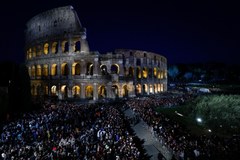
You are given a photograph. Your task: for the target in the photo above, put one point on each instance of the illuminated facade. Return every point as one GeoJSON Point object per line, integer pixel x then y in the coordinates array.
{"type": "Point", "coordinates": [60, 63]}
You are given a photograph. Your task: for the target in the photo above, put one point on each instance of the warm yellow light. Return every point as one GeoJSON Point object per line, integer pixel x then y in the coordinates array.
{"type": "Point", "coordinates": [46, 48]}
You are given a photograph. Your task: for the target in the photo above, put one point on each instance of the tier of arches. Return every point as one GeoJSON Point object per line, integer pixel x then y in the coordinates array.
{"type": "Point", "coordinates": [76, 68]}
{"type": "Point", "coordinates": [91, 91]}
{"type": "Point", "coordinates": [54, 48]}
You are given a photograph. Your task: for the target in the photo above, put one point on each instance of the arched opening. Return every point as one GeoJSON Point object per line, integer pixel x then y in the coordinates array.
{"type": "Point", "coordinates": [125, 91]}
{"type": "Point", "coordinates": [64, 92]}
{"type": "Point", "coordinates": [77, 46]}
{"type": "Point", "coordinates": [64, 69]}
{"type": "Point", "coordinates": [32, 90]}
{"type": "Point", "coordinates": [54, 47]}
{"type": "Point", "coordinates": [145, 89]}
{"type": "Point", "coordinates": [155, 88]}
{"type": "Point", "coordinates": [89, 92]}
{"type": "Point", "coordinates": [54, 70]}
{"type": "Point", "coordinates": [76, 69]}
{"type": "Point", "coordinates": [160, 75]}
{"type": "Point", "coordinates": [138, 62]}
{"type": "Point", "coordinates": [39, 70]}
{"type": "Point", "coordinates": [138, 89]}
{"type": "Point", "coordinates": [130, 72]}
{"type": "Point", "coordinates": [161, 88]}
{"type": "Point", "coordinates": [103, 69]}
{"type": "Point", "coordinates": [165, 74]}
{"type": "Point", "coordinates": [115, 69]}
{"type": "Point", "coordinates": [45, 70]}
{"type": "Point", "coordinates": [76, 91]}
{"type": "Point", "coordinates": [102, 92]}
{"type": "Point", "coordinates": [29, 71]}
{"type": "Point", "coordinates": [46, 48]}
{"type": "Point", "coordinates": [155, 72]}
{"type": "Point", "coordinates": [53, 90]}
{"type": "Point", "coordinates": [89, 69]}
{"type": "Point", "coordinates": [145, 72]}
{"type": "Point", "coordinates": [151, 88]}
{"type": "Point", "coordinates": [30, 53]}
{"type": "Point", "coordinates": [34, 53]}
{"type": "Point", "coordinates": [33, 71]}
{"type": "Point", "coordinates": [138, 72]}
{"type": "Point", "coordinates": [115, 91]}
{"type": "Point", "coordinates": [65, 46]}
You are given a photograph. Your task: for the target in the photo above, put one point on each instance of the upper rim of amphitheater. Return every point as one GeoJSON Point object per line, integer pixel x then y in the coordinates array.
{"type": "Point", "coordinates": [51, 21]}
{"type": "Point", "coordinates": [138, 51]}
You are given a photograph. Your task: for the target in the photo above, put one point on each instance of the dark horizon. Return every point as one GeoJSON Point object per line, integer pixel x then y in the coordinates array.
{"type": "Point", "coordinates": [182, 32]}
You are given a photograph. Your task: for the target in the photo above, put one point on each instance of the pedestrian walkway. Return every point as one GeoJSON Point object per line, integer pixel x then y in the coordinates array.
{"type": "Point", "coordinates": [151, 144]}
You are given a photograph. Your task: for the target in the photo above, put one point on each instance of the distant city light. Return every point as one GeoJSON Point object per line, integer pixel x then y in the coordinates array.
{"type": "Point", "coordinates": [209, 130]}
{"type": "Point", "coordinates": [199, 120]}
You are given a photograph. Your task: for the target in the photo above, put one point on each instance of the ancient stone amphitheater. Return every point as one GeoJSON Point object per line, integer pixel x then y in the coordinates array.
{"type": "Point", "coordinates": [61, 65]}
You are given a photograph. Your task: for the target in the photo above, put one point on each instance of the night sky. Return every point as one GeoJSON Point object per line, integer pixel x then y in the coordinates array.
{"type": "Point", "coordinates": [184, 31]}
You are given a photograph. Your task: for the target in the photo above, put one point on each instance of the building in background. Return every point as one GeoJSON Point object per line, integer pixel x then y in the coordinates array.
{"type": "Point", "coordinates": [60, 63]}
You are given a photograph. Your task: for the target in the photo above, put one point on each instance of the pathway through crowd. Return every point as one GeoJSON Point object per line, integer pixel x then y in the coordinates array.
{"type": "Point", "coordinates": [151, 144]}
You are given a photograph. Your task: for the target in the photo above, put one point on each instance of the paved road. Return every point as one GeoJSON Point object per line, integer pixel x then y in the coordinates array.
{"type": "Point", "coordinates": [151, 144]}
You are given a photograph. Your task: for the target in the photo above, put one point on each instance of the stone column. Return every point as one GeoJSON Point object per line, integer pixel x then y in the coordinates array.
{"type": "Point", "coordinates": [95, 67]}
{"type": "Point", "coordinates": [82, 67]}
{"type": "Point", "coordinates": [109, 90]}
{"type": "Point", "coordinates": [82, 90]}
{"type": "Point", "coordinates": [95, 91]}
{"type": "Point", "coordinates": [70, 45]}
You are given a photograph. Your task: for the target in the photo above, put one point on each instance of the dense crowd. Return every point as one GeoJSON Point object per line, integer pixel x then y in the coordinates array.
{"type": "Point", "coordinates": [177, 138]}
{"type": "Point", "coordinates": [69, 131]}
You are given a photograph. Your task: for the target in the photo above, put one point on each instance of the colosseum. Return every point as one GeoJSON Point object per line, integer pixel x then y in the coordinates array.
{"type": "Point", "coordinates": [61, 65]}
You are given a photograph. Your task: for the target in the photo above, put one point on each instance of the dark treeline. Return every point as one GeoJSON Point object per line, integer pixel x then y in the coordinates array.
{"type": "Point", "coordinates": [205, 72]}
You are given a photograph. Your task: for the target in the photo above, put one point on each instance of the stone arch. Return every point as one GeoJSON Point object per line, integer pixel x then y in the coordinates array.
{"type": "Point", "coordinates": [138, 72]}
{"type": "Point", "coordinates": [29, 71]}
{"type": "Point", "coordinates": [54, 47]}
{"type": "Point", "coordinates": [155, 88]}
{"type": "Point", "coordinates": [46, 48]}
{"type": "Point", "coordinates": [64, 69]}
{"type": "Point", "coordinates": [103, 69]}
{"type": "Point", "coordinates": [115, 69]}
{"type": "Point", "coordinates": [33, 71]}
{"type": "Point", "coordinates": [76, 70]}
{"type": "Point", "coordinates": [155, 72]}
{"type": "Point", "coordinates": [145, 72]}
{"type": "Point", "coordinates": [54, 90]}
{"type": "Point", "coordinates": [54, 70]}
{"type": "Point", "coordinates": [34, 53]}
{"type": "Point", "coordinates": [115, 90]}
{"type": "Point", "coordinates": [30, 53]}
{"type": "Point", "coordinates": [130, 71]}
{"type": "Point", "coordinates": [76, 91]}
{"type": "Point", "coordinates": [102, 92]}
{"type": "Point", "coordinates": [89, 70]}
{"type": "Point", "coordinates": [89, 92]}
{"type": "Point", "coordinates": [145, 88]}
{"type": "Point", "coordinates": [125, 90]}
{"type": "Point", "coordinates": [77, 47]}
{"type": "Point", "coordinates": [65, 46]}
{"type": "Point", "coordinates": [138, 89]}
{"type": "Point", "coordinates": [45, 70]}
{"type": "Point", "coordinates": [39, 70]}
{"type": "Point", "coordinates": [151, 89]}
{"type": "Point", "coordinates": [64, 91]}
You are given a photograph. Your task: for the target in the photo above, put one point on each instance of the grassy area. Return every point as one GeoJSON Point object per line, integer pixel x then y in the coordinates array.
{"type": "Point", "coordinates": [220, 113]}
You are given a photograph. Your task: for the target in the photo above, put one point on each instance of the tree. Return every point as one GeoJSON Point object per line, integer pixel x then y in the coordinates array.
{"type": "Point", "coordinates": [173, 72]}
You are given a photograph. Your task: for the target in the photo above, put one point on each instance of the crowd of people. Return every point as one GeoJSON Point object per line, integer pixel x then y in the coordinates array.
{"type": "Point", "coordinates": [99, 132]}
{"type": "Point", "coordinates": [177, 138]}
{"type": "Point", "coordinates": [69, 131]}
